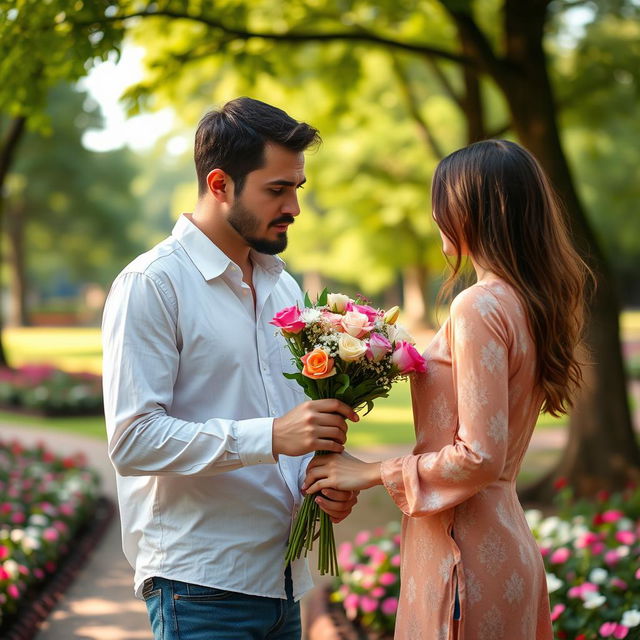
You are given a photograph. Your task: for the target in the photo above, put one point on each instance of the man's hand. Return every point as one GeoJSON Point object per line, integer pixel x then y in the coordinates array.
{"type": "Point", "coordinates": [337, 504]}
{"type": "Point", "coordinates": [316, 425]}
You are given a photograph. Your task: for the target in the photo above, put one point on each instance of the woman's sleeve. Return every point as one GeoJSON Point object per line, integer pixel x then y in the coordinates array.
{"type": "Point", "coordinates": [432, 482]}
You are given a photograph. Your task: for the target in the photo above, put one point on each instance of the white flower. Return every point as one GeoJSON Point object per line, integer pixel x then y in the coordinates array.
{"type": "Point", "coordinates": [593, 599]}
{"type": "Point", "coordinates": [630, 618]}
{"type": "Point", "coordinates": [350, 348]}
{"type": "Point", "coordinates": [623, 551]}
{"type": "Point", "coordinates": [38, 520]}
{"type": "Point", "coordinates": [17, 535]}
{"type": "Point", "coordinates": [553, 582]}
{"type": "Point", "coordinates": [309, 315]}
{"type": "Point", "coordinates": [397, 333]}
{"type": "Point", "coordinates": [625, 524]}
{"type": "Point", "coordinates": [598, 575]}
{"type": "Point", "coordinates": [337, 302]}
{"type": "Point", "coordinates": [533, 516]}
{"type": "Point", "coordinates": [12, 568]}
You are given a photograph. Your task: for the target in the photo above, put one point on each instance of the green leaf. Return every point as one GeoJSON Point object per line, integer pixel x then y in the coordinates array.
{"type": "Point", "coordinates": [307, 300]}
{"type": "Point", "coordinates": [322, 298]}
{"type": "Point", "coordinates": [344, 381]}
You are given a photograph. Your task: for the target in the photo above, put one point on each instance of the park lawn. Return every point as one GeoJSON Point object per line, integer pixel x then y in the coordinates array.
{"type": "Point", "coordinates": [92, 426]}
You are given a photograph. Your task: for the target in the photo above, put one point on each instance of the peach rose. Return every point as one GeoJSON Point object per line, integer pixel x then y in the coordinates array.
{"type": "Point", "coordinates": [317, 365]}
{"type": "Point", "coordinates": [356, 324]}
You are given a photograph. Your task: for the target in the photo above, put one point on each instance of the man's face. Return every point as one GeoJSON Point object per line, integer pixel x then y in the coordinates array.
{"type": "Point", "coordinates": [268, 203]}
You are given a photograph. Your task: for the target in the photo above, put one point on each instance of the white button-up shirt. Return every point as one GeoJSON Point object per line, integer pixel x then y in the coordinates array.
{"type": "Point", "coordinates": [192, 380]}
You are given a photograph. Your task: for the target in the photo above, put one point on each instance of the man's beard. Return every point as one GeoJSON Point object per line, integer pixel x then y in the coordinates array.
{"type": "Point", "coordinates": [246, 224]}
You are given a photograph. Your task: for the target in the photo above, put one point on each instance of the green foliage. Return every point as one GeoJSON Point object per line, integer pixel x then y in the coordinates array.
{"type": "Point", "coordinates": [76, 203]}
{"type": "Point", "coordinates": [43, 43]}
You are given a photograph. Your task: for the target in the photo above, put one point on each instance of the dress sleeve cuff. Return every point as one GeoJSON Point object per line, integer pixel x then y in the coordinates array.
{"type": "Point", "coordinates": [255, 441]}
{"type": "Point", "coordinates": [393, 481]}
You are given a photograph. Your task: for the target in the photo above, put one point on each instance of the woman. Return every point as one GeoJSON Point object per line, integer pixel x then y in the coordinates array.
{"type": "Point", "coordinates": [471, 569]}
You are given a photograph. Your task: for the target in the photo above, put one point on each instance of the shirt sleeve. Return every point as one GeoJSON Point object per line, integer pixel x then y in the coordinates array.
{"type": "Point", "coordinates": [141, 357]}
{"type": "Point", "coordinates": [428, 483]}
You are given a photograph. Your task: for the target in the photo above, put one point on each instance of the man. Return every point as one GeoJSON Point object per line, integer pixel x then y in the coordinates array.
{"type": "Point", "coordinates": [207, 436]}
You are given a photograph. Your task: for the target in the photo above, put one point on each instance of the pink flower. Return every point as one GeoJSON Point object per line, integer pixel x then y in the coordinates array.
{"type": "Point", "coordinates": [612, 515]}
{"type": "Point", "coordinates": [351, 601]}
{"type": "Point", "coordinates": [334, 319]}
{"type": "Point", "coordinates": [18, 517]}
{"type": "Point", "coordinates": [4, 552]}
{"type": "Point", "coordinates": [637, 576]}
{"type": "Point", "coordinates": [611, 557]}
{"type": "Point", "coordinates": [597, 548]}
{"type": "Point", "coordinates": [13, 591]}
{"type": "Point", "coordinates": [389, 606]}
{"type": "Point", "coordinates": [587, 539]}
{"type": "Point", "coordinates": [368, 605]}
{"type": "Point", "coordinates": [362, 537]}
{"type": "Point", "coordinates": [356, 324]}
{"type": "Point", "coordinates": [619, 583]}
{"type": "Point", "coordinates": [625, 537]}
{"type": "Point", "coordinates": [387, 578]}
{"type": "Point", "coordinates": [378, 347]}
{"type": "Point", "coordinates": [378, 592]}
{"type": "Point", "coordinates": [371, 313]}
{"type": "Point", "coordinates": [395, 561]}
{"type": "Point", "coordinates": [557, 611]}
{"type": "Point", "coordinates": [560, 556]}
{"type": "Point", "coordinates": [407, 359]}
{"type": "Point", "coordinates": [288, 320]}
{"type": "Point", "coordinates": [613, 629]}
{"type": "Point", "coordinates": [50, 534]}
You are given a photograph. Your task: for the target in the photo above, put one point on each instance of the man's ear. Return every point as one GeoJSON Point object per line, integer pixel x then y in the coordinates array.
{"type": "Point", "coordinates": [219, 184]}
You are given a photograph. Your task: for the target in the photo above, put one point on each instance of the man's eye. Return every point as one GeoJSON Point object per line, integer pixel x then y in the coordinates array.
{"type": "Point", "coordinates": [276, 191]}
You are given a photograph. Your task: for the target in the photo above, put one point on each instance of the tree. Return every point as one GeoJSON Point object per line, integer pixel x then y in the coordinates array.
{"type": "Point", "coordinates": [40, 46]}
{"type": "Point", "coordinates": [66, 205]}
{"type": "Point", "coordinates": [490, 48]}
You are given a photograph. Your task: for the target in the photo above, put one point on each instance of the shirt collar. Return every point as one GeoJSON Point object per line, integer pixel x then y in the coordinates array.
{"type": "Point", "coordinates": [208, 258]}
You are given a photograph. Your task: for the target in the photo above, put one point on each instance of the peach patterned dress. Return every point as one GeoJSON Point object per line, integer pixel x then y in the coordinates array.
{"type": "Point", "coordinates": [474, 411]}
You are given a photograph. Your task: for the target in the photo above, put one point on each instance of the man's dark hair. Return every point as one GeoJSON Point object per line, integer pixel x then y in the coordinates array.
{"type": "Point", "coordinates": [233, 139]}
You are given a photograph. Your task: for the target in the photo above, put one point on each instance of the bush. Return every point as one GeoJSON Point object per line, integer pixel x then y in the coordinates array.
{"type": "Point", "coordinates": [591, 553]}
{"type": "Point", "coordinates": [369, 583]}
{"type": "Point", "coordinates": [44, 500]}
{"type": "Point", "coordinates": [50, 391]}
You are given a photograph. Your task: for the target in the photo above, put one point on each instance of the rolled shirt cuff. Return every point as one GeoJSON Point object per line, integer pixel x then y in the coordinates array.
{"type": "Point", "coordinates": [255, 441]}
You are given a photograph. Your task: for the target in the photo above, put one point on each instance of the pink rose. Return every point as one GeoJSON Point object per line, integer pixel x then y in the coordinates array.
{"type": "Point", "coordinates": [560, 556]}
{"type": "Point", "coordinates": [368, 605]}
{"type": "Point", "coordinates": [356, 324]}
{"type": "Point", "coordinates": [613, 515]}
{"type": "Point", "coordinates": [625, 537]}
{"type": "Point", "coordinates": [389, 606]}
{"type": "Point", "coordinates": [619, 583]}
{"type": "Point", "coordinates": [557, 611]}
{"type": "Point", "coordinates": [378, 592]}
{"type": "Point", "coordinates": [371, 313]}
{"type": "Point", "coordinates": [288, 320]}
{"type": "Point", "coordinates": [387, 578]}
{"type": "Point", "coordinates": [334, 319]}
{"type": "Point", "coordinates": [611, 557]}
{"type": "Point", "coordinates": [362, 537]}
{"type": "Point", "coordinates": [407, 359]}
{"type": "Point", "coordinates": [378, 347]}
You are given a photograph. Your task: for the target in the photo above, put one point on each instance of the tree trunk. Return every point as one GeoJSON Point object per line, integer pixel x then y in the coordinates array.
{"type": "Point", "coordinates": [7, 153]}
{"type": "Point", "coordinates": [415, 303]}
{"type": "Point", "coordinates": [14, 226]}
{"type": "Point", "coordinates": [602, 451]}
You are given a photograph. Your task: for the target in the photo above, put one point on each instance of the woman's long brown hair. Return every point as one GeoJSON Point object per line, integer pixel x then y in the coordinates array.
{"type": "Point", "coordinates": [494, 199]}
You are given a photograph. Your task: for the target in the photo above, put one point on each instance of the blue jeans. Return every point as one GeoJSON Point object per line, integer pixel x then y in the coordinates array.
{"type": "Point", "coordinates": [182, 611]}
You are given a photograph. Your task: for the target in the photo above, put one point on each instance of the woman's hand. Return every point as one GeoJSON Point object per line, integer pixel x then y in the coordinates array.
{"type": "Point", "coordinates": [340, 471]}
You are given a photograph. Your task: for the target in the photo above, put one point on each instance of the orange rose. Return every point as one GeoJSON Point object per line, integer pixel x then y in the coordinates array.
{"type": "Point", "coordinates": [317, 365]}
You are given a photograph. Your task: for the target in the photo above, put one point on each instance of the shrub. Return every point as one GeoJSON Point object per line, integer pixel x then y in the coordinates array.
{"type": "Point", "coordinates": [44, 500]}
{"type": "Point", "coordinates": [50, 391]}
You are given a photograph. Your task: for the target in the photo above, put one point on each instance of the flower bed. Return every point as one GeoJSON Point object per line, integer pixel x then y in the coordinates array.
{"type": "Point", "coordinates": [49, 391]}
{"type": "Point", "coordinates": [591, 552]}
{"type": "Point", "coordinates": [44, 502]}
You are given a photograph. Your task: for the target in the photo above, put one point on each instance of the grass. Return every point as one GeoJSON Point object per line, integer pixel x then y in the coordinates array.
{"type": "Point", "coordinates": [80, 349]}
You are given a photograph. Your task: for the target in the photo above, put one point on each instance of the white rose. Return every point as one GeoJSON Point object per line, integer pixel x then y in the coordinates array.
{"type": "Point", "coordinates": [593, 600]}
{"type": "Point", "coordinates": [397, 333]}
{"type": "Point", "coordinates": [350, 348]}
{"type": "Point", "coordinates": [553, 582]}
{"type": "Point", "coordinates": [337, 302]}
{"type": "Point", "coordinates": [630, 618]}
{"type": "Point", "coordinates": [598, 575]}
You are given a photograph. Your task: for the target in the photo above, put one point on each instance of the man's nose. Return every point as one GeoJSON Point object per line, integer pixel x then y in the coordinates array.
{"type": "Point", "coordinates": [291, 205]}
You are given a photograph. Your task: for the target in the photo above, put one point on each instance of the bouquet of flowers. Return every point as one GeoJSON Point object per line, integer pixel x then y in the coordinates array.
{"type": "Point", "coordinates": [348, 350]}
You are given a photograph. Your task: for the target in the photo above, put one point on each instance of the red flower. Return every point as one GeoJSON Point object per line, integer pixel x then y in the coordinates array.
{"type": "Point", "coordinates": [560, 483]}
